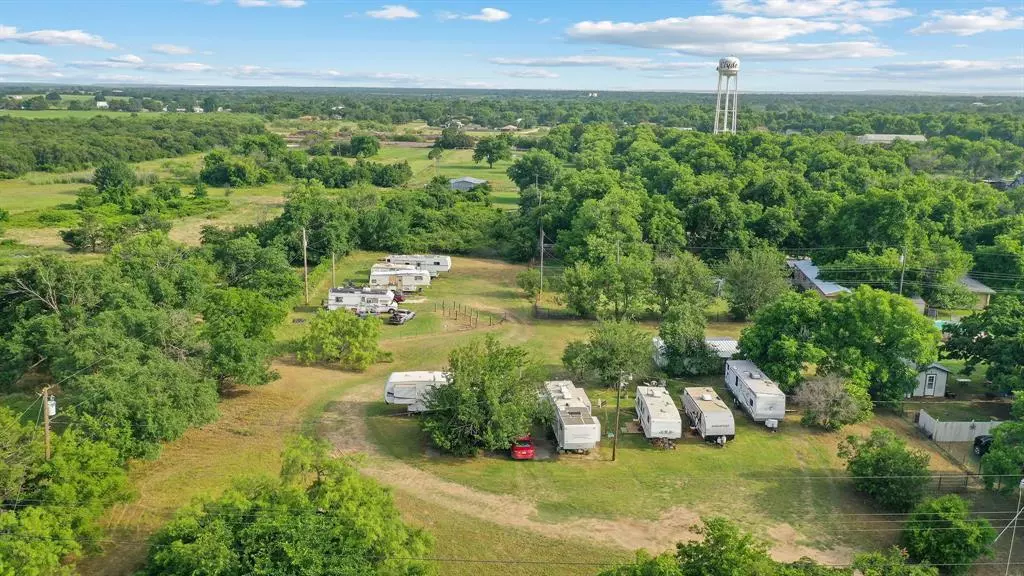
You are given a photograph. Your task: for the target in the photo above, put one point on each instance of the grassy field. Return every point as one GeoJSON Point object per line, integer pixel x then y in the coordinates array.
{"type": "Point", "coordinates": [61, 113]}
{"type": "Point", "coordinates": [453, 164]}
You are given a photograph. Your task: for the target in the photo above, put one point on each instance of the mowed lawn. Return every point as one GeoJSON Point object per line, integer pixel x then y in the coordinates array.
{"type": "Point", "coordinates": [454, 164]}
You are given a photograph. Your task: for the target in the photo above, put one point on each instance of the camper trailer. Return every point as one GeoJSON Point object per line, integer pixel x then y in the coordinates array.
{"type": "Point", "coordinates": [406, 279]}
{"type": "Point", "coordinates": [708, 415]}
{"type": "Point", "coordinates": [433, 263]}
{"type": "Point", "coordinates": [575, 428]}
{"type": "Point", "coordinates": [759, 396]}
{"type": "Point", "coordinates": [410, 388]}
{"type": "Point", "coordinates": [657, 413]}
{"type": "Point", "coordinates": [361, 300]}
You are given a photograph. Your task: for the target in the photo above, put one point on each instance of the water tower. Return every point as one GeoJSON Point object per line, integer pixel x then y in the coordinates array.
{"type": "Point", "coordinates": [726, 109]}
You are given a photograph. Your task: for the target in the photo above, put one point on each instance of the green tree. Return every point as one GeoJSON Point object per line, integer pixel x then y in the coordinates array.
{"type": "Point", "coordinates": [200, 190]}
{"type": "Point", "coordinates": [682, 330]}
{"type": "Point", "coordinates": [536, 167]}
{"type": "Point", "coordinates": [724, 550]}
{"type": "Point", "coordinates": [343, 338]}
{"type": "Point", "coordinates": [884, 468]}
{"type": "Point", "coordinates": [364, 146]}
{"type": "Point", "coordinates": [243, 263]}
{"type": "Point", "coordinates": [753, 280]}
{"type": "Point", "coordinates": [239, 326]}
{"type": "Point", "coordinates": [115, 181]}
{"type": "Point", "coordinates": [53, 96]}
{"type": "Point", "coordinates": [322, 517]}
{"type": "Point", "coordinates": [892, 562]}
{"type": "Point", "coordinates": [492, 149]}
{"type": "Point", "coordinates": [529, 282]}
{"type": "Point", "coordinates": [1003, 465]}
{"type": "Point", "coordinates": [994, 336]}
{"type": "Point", "coordinates": [682, 277]}
{"type": "Point", "coordinates": [489, 401]}
{"type": "Point", "coordinates": [611, 350]}
{"type": "Point", "coordinates": [782, 339]}
{"type": "Point", "coordinates": [943, 532]}
{"type": "Point", "coordinates": [646, 565]}
{"type": "Point", "coordinates": [830, 402]}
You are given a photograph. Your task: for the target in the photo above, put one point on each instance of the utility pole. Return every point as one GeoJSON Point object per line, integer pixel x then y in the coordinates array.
{"type": "Point", "coordinates": [334, 281]}
{"type": "Point", "coordinates": [618, 396]}
{"type": "Point", "coordinates": [903, 267]}
{"type": "Point", "coordinates": [46, 419]}
{"type": "Point", "coordinates": [305, 267]}
{"type": "Point", "coordinates": [540, 224]}
{"type": "Point", "coordinates": [1013, 535]}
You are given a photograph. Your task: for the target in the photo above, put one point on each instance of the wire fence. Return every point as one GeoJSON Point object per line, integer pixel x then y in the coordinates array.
{"type": "Point", "coordinates": [467, 316]}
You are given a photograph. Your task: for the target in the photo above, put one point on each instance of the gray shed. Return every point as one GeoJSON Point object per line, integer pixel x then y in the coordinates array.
{"type": "Point", "coordinates": [931, 381]}
{"type": "Point", "coordinates": [465, 183]}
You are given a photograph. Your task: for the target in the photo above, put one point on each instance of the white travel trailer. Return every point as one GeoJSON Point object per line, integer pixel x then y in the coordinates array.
{"type": "Point", "coordinates": [410, 388]}
{"type": "Point", "coordinates": [361, 300]}
{"type": "Point", "coordinates": [575, 428]}
{"type": "Point", "coordinates": [433, 263]}
{"type": "Point", "coordinates": [406, 279]}
{"type": "Point", "coordinates": [657, 413]}
{"type": "Point", "coordinates": [708, 415]}
{"type": "Point", "coordinates": [759, 396]}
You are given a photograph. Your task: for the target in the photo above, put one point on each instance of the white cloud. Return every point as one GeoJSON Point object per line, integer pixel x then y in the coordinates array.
{"type": "Point", "coordinates": [181, 67]}
{"type": "Point", "coordinates": [123, 61]}
{"type": "Point", "coordinates": [538, 73]}
{"type": "Point", "coordinates": [489, 15]}
{"type": "Point", "coordinates": [131, 59]}
{"type": "Point", "coordinates": [25, 61]}
{"type": "Point", "coordinates": [541, 21]}
{"type": "Point", "coordinates": [484, 15]}
{"type": "Point", "coordinates": [971, 22]}
{"type": "Point", "coordinates": [55, 37]}
{"type": "Point", "coordinates": [921, 70]}
{"type": "Point", "coordinates": [271, 3]}
{"type": "Point", "coordinates": [619, 62]}
{"type": "Point", "coordinates": [262, 72]}
{"type": "Point", "coordinates": [960, 46]}
{"type": "Point", "coordinates": [756, 37]}
{"type": "Point", "coordinates": [172, 49]}
{"type": "Point", "coordinates": [393, 12]}
{"type": "Point", "coordinates": [863, 10]}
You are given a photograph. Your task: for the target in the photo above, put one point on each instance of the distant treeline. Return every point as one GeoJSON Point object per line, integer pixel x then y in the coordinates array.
{"type": "Point", "coordinates": [64, 144]}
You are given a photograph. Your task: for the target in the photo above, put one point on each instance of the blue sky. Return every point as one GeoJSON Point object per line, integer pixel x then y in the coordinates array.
{"type": "Point", "coordinates": [784, 45]}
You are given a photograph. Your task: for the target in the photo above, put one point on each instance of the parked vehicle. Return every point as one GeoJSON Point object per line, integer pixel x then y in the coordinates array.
{"type": "Point", "coordinates": [576, 430]}
{"type": "Point", "coordinates": [708, 415]}
{"type": "Point", "coordinates": [982, 444]}
{"type": "Point", "coordinates": [406, 279]}
{"type": "Point", "coordinates": [523, 448]}
{"type": "Point", "coordinates": [433, 263]}
{"type": "Point", "coordinates": [364, 300]}
{"type": "Point", "coordinates": [657, 413]}
{"type": "Point", "coordinates": [401, 316]}
{"type": "Point", "coordinates": [759, 396]}
{"type": "Point", "coordinates": [410, 388]}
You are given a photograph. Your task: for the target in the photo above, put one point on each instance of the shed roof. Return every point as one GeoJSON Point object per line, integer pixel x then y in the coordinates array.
{"type": "Point", "coordinates": [468, 179]}
{"type": "Point", "coordinates": [723, 347]}
{"type": "Point", "coordinates": [808, 269]}
{"type": "Point", "coordinates": [975, 286]}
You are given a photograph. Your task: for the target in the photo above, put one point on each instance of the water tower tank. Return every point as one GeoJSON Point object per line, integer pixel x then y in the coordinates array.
{"type": "Point", "coordinates": [729, 66]}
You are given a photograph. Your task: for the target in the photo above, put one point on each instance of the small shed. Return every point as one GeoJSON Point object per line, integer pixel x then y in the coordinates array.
{"type": "Point", "coordinates": [981, 292]}
{"type": "Point", "coordinates": [466, 183]}
{"type": "Point", "coordinates": [931, 381]}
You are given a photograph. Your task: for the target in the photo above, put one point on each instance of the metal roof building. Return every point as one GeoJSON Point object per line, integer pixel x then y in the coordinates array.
{"type": "Point", "coordinates": [889, 138]}
{"type": "Point", "coordinates": [805, 275]}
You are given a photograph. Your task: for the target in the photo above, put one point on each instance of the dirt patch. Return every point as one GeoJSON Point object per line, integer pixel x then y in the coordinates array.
{"type": "Point", "coordinates": [787, 548]}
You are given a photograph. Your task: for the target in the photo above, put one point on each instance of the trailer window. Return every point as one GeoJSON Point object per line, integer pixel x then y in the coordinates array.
{"type": "Point", "coordinates": [750, 401]}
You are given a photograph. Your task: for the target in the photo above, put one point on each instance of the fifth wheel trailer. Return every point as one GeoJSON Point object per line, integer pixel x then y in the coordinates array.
{"type": "Point", "coordinates": [759, 396]}
{"type": "Point", "coordinates": [358, 300]}
{"type": "Point", "coordinates": [404, 278]}
{"type": "Point", "coordinates": [657, 413]}
{"type": "Point", "coordinates": [410, 388]}
{"type": "Point", "coordinates": [433, 263]}
{"type": "Point", "coordinates": [575, 428]}
{"type": "Point", "coordinates": [708, 415]}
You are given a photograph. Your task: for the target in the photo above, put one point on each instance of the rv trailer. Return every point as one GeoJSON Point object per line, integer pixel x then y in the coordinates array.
{"type": "Point", "coordinates": [575, 428]}
{"type": "Point", "coordinates": [708, 415]}
{"type": "Point", "coordinates": [657, 413]}
{"type": "Point", "coordinates": [410, 388]}
{"type": "Point", "coordinates": [406, 279]}
{"type": "Point", "coordinates": [433, 263]}
{"type": "Point", "coordinates": [361, 300]}
{"type": "Point", "coordinates": [759, 396]}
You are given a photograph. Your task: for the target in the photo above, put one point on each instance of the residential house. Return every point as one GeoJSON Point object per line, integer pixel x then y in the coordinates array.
{"type": "Point", "coordinates": [465, 183]}
{"type": "Point", "coordinates": [197, 110]}
{"type": "Point", "coordinates": [931, 381]}
{"type": "Point", "coordinates": [103, 105]}
{"type": "Point", "coordinates": [805, 276]}
{"type": "Point", "coordinates": [884, 139]}
{"type": "Point", "coordinates": [981, 292]}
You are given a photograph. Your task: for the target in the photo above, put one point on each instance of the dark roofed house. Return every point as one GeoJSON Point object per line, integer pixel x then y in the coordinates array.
{"type": "Point", "coordinates": [466, 183]}
{"type": "Point", "coordinates": [805, 275]}
{"type": "Point", "coordinates": [981, 292]}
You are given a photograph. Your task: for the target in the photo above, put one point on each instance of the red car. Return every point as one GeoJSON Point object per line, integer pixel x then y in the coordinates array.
{"type": "Point", "coordinates": [522, 448]}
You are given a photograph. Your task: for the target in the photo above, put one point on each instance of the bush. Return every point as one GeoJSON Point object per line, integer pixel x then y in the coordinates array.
{"type": "Point", "coordinates": [830, 403]}
{"type": "Point", "coordinates": [343, 338]}
{"type": "Point", "coordinates": [612, 350]}
{"type": "Point", "coordinates": [886, 470]}
{"type": "Point", "coordinates": [942, 531]}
